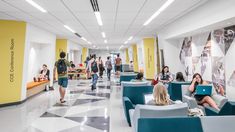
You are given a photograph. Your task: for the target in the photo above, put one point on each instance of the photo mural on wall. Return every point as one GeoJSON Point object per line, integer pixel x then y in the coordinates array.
{"type": "Point", "coordinates": [229, 35]}
{"type": "Point", "coordinates": [218, 74]}
{"type": "Point", "coordinates": [206, 59]}
{"type": "Point", "coordinates": [186, 55]}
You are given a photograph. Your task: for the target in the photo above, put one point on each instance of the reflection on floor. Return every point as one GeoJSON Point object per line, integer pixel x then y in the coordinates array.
{"type": "Point", "coordinates": [84, 111]}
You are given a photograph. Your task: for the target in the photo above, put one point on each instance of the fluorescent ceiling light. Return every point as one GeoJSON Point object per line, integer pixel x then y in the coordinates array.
{"type": "Point", "coordinates": [98, 17]}
{"type": "Point", "coordinates": [125, 42]}
{"type": "Point", "coordinates": [89, 42]}
{"type": "Point", "coordinates": [83, 39]}
{"type": "Point", "coordinates": [105, 41]}
{"type": "Point", "coordinates": [130, 38]}
{"type": "Point", "coordinates": [36, 5]}
{"type": "Point", "coordinates": [69, 28]}
{"type": "Point", "coordinates": [120, 47]}
{"type": "Point", "coordinates": [162, 8]}
{"type": "Point", "coordinates": [103, 34]}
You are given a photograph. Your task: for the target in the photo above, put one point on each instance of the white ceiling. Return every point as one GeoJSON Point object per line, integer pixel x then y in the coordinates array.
{"type": "Point", "coordinates": [121, 18]}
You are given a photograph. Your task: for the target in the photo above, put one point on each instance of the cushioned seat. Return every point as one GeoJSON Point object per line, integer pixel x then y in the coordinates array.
{"type": "Point", "coordinates": [175, 90]}
{"type": "Point", "coordinates": [227, 109]}
{"type": "Point", "coordinates": [127, 76]}
{"type": "Point", "coordinates": [153, 111]}
{"type": "Point", "coordinates": [172, 124]}
{"type": "Point", "coordinates": [31, 85]}
{"type": "Point", "coordinates": [133, 95]}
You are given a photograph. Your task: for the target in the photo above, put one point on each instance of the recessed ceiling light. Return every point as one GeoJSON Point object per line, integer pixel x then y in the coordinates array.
{"type": "Point", "coordinates": [130, 38]}
{"type": "Point", "coordinates": [98, 18]}
{"type": "Point", "coordinates": [103, 35]}
{"type": "Point", "coordinates": [162, 8]}
{"type": "Point", "coordinates": [94, 46]}
{"type": "Point", "coordinates": [83, 39]}
{"type": "Point", "coordinates": [89, 42]}
{"type": "Point", "coordinates": [125, 42]}
{"type": "Point", "coordinates": [67, 27]}
{"type": "Point", "coordinates": [105, 41]}
{"type": "Point", "coordinates": [36, 5]}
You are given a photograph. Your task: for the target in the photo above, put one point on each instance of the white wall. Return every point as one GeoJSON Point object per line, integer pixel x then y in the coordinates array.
{"type": "Point", "coordinates": [75, 52]}
{"type": "Point", "coordinates": [35, 35]}
{"type": "Point", "coordinates": [209, 13]}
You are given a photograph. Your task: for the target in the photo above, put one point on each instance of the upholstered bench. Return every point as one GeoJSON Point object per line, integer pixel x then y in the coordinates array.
{"type": "Point", "coordinates": [36, 87]}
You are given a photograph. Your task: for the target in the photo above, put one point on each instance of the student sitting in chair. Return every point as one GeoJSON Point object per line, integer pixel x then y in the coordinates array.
{"type": "Point", "coordinates": [44, 74]}
{"type": "Point", "coordinates": [139, 78]}
{"type": "Point", "coordinates": [201, 99]}
{"type": "Point", "coordinates": [160, 96]}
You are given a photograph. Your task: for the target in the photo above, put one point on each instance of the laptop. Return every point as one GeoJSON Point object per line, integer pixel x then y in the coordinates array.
{"type": "Point", "coordinates": [148, 97]}
{"type": "Point", "coordinates": [203, 90]}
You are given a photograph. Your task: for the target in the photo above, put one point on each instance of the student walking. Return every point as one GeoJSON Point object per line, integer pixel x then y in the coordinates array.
{"type": "Point", "coordinates": [94, 69]}
{"type": "Point", "coordinates": [109, 67]}
{"type": "Point", "coordinates": [61, 66]}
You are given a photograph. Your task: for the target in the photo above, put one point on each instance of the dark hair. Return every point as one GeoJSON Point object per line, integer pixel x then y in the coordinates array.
{"type": "Point", "coordinates": [108, 58]}
{"type": "Point", "coordinates": [99, 58]}
{"type": "Point", "coordinates": [196, 83]}
{"type": "Point", "coordinates": [117, 55]}
{"type": "Point", "coordinates": [94, 56]}
{"type": "Point", "coordinates": [139, 76]}
{"type": "Point", "coordinates": [164, 68]}
{"type": "Point", "coordinates": [44, 65]}
{"type": "Point", "coordinates": [180, 77]}
{"type": "Point", "coordinates": [62, 54]}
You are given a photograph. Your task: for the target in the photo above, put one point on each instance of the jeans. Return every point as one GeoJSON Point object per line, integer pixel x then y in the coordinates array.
{"type": "Point", "coordinates": [109, 73]}
{"type": "Point", "coordinates": [94, 80]}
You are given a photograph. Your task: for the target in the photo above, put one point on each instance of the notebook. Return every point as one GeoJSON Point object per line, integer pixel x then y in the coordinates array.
{"type": "Point", "coordinates": [203, 90]}
{"type": "Point", "coordinates": [148, 97]}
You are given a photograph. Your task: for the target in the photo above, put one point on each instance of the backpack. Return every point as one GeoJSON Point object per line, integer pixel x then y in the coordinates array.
{"type": "Point", "coordinates": [94, 67]}
{"type": "Point", "coordinates": [61, 67]}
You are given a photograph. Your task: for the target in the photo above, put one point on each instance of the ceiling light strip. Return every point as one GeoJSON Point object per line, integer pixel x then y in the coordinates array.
{"type": "Point", "coordinates": [103, 34]}
{"type": "Point", "coordinates": [34, 4]}
{"type": "Point", "coordinates": [162, 8]}
{"type": "Point", "coordinates": [67, 27]}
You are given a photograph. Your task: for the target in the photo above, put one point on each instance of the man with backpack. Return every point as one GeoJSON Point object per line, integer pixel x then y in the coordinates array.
{"type": "Point", "coordinates": [109, 67]}
{"type": "Point", "coordinates": [93, 65]}
{"type": "Point", "coordinates": [61, 66]}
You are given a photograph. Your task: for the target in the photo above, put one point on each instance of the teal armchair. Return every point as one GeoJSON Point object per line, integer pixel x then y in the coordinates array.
{"type": "Point", "coordinates": [227, 109]}
{"type": "Point", "coordinates": [133, 95]}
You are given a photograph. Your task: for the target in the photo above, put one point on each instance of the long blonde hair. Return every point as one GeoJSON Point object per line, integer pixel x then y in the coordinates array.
{"type": "Point", "coordinates": [160, 95]}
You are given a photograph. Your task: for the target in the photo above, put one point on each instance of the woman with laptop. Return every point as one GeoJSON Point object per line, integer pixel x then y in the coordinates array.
{"type": "Point", "coordinates": [202, 99]}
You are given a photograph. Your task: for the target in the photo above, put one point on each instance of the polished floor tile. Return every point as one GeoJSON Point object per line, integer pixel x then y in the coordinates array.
{"type": "Point", "coordinates": [85, 110]}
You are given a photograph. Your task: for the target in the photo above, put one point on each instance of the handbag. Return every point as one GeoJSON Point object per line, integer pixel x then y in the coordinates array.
{"type": "Point", "coordinates": [154, 82]}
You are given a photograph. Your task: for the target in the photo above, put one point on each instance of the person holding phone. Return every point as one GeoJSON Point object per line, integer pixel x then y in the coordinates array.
{"type": "Point", "coordinates": [165, 76]}
{"type": "Point", "coordinates": [201, 99]}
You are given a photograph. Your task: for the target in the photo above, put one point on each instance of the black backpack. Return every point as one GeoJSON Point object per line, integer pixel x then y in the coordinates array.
{"type": "Point", "coordinates": [94, 67]}
{"type": "Point", "coordinates": [61, 67]}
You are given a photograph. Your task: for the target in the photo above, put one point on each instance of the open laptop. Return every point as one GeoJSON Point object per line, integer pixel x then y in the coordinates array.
{"type": "Point", "coordinates": [203, 90]}
{"type": "Point", "coordinates": [148, 97]}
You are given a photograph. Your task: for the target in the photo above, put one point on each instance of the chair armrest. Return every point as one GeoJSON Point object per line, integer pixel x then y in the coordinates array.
{"type": "Point", "coordinates": [211, 111]}
{"type": "Point", "coordinates": [127, 104]}
{"type": "Point", "coordinates": [219, 100]}
{"type": "Point", "coordinates": [192, 103]}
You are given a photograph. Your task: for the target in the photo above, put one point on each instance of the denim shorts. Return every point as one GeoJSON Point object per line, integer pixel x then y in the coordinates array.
{"type": "Point", "coordinates": [63, 82]}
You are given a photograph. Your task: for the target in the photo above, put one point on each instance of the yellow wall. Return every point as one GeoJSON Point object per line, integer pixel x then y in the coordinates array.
{"type": "Point", "coordinates": [127, 56]}
{"type": "Point", "coordinates": [135, 58]}
{"type": "Point", "coordinates": [61, 45]}
{"type": "Point", "coordinates": [149, 57]}
{"type": "Point", "coordinates": [84, 54]}
{"type": "Point", "coordinates": [12, 43]}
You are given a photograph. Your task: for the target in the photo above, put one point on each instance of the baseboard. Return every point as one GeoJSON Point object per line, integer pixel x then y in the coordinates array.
{"type": "Point", "coordinates": [13, 103]}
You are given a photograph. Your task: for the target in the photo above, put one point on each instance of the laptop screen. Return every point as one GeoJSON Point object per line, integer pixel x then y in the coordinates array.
{"type": "Point", "coordinates": [203, 90]}
{"type": "Point", "coordinates": [148, 97]}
